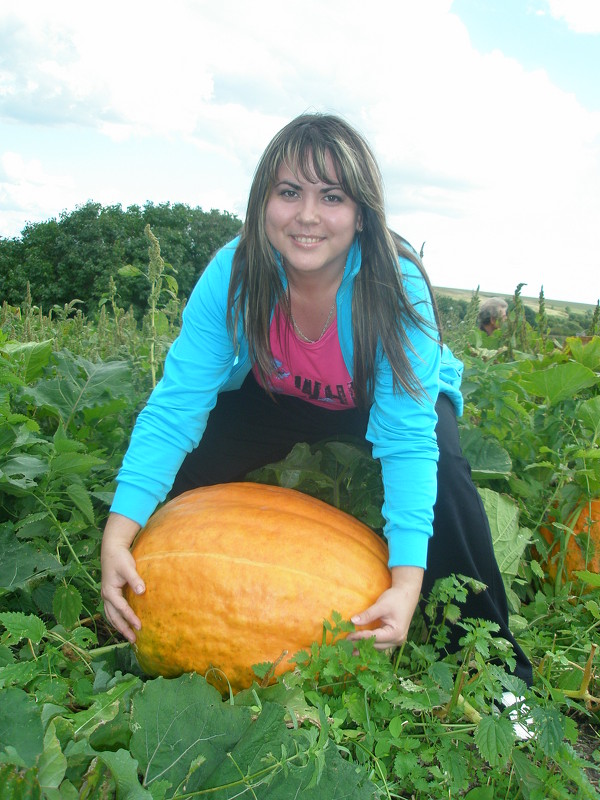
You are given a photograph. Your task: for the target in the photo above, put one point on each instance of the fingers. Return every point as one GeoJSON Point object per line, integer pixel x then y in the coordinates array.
{"type": "Point", "coordinates": [390, 614]}
{"type": "Point", "coordinates": [122, 617]}
{"type": "Point", "coordinates": [385, 637]}
{"type": "Point", "coordinates": [119, 570]}
{"type": "Point", "coordinates": [116, 609]}
{"type": "Point", "coordinates": [131, 576]}
{"type": "Point", "coordinates": [367, 616]}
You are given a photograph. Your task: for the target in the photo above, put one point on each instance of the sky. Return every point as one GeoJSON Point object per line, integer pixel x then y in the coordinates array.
{"type": "Point", "coordinates": [484, 116]}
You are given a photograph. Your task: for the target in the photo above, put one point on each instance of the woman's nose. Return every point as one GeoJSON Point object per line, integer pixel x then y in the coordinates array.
{"type": "Point", "coordinates": [308, 211]}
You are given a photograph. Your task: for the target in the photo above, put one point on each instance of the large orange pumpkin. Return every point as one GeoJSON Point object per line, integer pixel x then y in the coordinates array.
{"type": "Point", "coordinates": [583, 549]}
{"type": "Point", "coordinates": [242, 573]}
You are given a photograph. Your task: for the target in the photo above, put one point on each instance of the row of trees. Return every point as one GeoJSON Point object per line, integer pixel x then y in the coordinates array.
{"type": "Point", "coordinates": [85, 256]}
{"type": "Point", "coordinates": [75, 256]}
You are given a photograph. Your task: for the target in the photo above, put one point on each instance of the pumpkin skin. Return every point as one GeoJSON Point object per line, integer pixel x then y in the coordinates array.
{"type": "Point", "coordinates": [584, 543]}
{"type": "Point", "coordinates": [241, 573]}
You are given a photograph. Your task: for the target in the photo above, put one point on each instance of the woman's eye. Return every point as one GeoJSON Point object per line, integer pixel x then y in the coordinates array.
{"type": "Point", "coordinates": [333, 198]}
{"type": "Point", "coordinates": [288, 193]}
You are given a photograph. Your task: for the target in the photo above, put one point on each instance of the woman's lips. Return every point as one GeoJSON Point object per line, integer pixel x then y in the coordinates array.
{"type": "Point", "coordinates": [307, 240]}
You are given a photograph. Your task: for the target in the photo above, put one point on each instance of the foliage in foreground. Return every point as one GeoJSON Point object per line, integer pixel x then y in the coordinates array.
{"type": "Point", "coordinates": [79, 720]}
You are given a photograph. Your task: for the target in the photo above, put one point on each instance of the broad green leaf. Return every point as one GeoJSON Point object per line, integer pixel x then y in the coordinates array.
{"type": "Point", "coordinates": [161, 323]}
{"type": "Point", "coordinates": [23, 626]}
{"type": "Point", "coordinates": [97, 780]}
{"type": "Point", "coordinates": [589, 417]}
{"type": "Point", "coordinates": [396, 726]}
{"type": "Point", "coordinates": [79, 384]}
{"type": "Point", "coordinates": [293, 700]}
{"type": "Point", "coordinates": [176, 721]}
{"type": "Point", "coordinates": [82, 499]}
{"type": "Point", "coordinates": [494, 737]}
{"type": "Point", "coordinates": [20, 724]}
{"type": "Point", "coordinates": [481, 793]}
{"type": "Point", "coordinates": [591, 578]}
{"type": "Point", "coordinates": [17, 783]}
{"type": "Point", "coordinates": [67, 604]}
{"type": "Point", "coordinates": [6, 656]}
{"type": "Point", "coordinates": [588, 353]}
{"type": "Point", "coordinates": [455, 766]}
{"type": "Point", "coordinates": [549, 726]}
{"type": "Point", "coordinates": [33, 357]}
{"type": "Point", "coordinates": [486, 456]}
{"type": "Point", "coordinates": [33, 525]}
{"type": "Point", "coordinates": [75, 463]}
{"type": "Point", "coordinates": [559, 382]}
{"type": "Point", "coordinates": [124, 769]}
{"type": "Point", "coordinates": [509, 539]}
{"type": "Point", "coordinates": [66, 791]}
{"type": "Point", "coordinates": [30, 467]}
{"type": "Point", "coordinates": [63, 443]}
{"type": "Point", "coordinates": [130, 271]}
{"type": "Point", "coordinates": [325, 775]}
{"type": "Point", "coordinates": [250, 754]}
{"type": "Point", "coordinates": [104, 708]}
{"type": "Point", "coordinates": [19, 673]}
{"type": "Point", "coordinates": [22, 564]}
{"type": "Point", "coordinates": [52, 763]}
{"type": "Point", "coordinates": [271, 761]}
{"type": "Point", "coordinates": [528, 774]}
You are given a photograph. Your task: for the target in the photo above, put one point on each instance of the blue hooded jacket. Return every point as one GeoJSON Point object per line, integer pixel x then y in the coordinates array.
{"type": "Point", "coordinates": [203, 362]}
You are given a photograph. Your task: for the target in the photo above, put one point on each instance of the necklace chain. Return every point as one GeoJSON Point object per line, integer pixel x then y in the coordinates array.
{"type": "Point", "coordinates": [303, 336]}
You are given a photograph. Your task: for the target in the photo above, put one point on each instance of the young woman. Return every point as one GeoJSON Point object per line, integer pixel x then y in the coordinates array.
{"type": "Point", "coordinates": [316, 322]}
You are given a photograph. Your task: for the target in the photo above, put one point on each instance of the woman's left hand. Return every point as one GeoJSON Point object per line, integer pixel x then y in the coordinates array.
{"type": "Point", "coordinates": [394, 610]}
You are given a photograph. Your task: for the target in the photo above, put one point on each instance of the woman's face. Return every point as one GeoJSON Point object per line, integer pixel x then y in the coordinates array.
{"type": "Point", "coordinates": [312, 225]}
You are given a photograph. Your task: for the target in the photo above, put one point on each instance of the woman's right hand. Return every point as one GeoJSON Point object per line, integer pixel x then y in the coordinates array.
{"type": "Point", "coordinates": [118, 570]}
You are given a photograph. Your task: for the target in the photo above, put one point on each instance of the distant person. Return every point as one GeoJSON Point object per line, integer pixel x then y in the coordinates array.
{"type": "Point", "coordinates": [492, 314]}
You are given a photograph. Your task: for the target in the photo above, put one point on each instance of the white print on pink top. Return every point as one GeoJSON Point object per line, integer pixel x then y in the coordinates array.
{"type": "Point", "coordinates": [313, 371]}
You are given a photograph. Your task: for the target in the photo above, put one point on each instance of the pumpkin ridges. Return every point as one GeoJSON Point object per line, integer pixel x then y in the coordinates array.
{"type": "Point", "coordinates": [254, 564]}
{"type": "Point", "coordinates": [252, 608]}
{"type": "Point", "coordinates": [242, 499]}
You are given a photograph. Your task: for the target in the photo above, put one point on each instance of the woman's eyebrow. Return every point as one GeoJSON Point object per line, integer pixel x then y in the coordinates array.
{"type": "Point", "coordinates": [331, 186]}
{"type": "Point", "coordinates": [288, 183]}
{"type": "Point", "coordinates": [296, 186]}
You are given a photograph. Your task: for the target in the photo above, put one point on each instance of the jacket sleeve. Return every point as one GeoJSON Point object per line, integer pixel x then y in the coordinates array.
{"type": "Point", "coordinates": [402, 432]}
{"type": "Point", "coordinates": [174, 418]}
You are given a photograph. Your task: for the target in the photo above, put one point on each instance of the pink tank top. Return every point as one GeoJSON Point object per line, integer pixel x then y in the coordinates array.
{"type": "Point", "coordinates": [313, 371]}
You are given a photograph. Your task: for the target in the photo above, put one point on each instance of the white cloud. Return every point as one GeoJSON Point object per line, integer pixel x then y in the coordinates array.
{"type": "Point", "coordinates": [581, 16]}
{"type": "Point", "coordinates": [29, 193]}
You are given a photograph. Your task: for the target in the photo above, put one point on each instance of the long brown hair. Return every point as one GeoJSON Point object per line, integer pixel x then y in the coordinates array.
{"type": "Point", "coordinates": [381, 309]}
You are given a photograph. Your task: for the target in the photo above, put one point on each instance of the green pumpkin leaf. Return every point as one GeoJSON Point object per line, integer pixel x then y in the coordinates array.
{"type": "Point", "coordinates": [124, 769]}
{"type": "Point", "coordinates": [508, 537]}
{"type": "Point", "coordinates": [559, 382]}
{"type": "Point", "coordinates": [22, 564]}
{"type": "Point", "coordinates": [487, 457]}
{"type": "Point", "coordinates": [21, 724]}
{"type": "Point", "coordinates": [205, 727]}
{"type": "Point", "coordinates": [52, 764]}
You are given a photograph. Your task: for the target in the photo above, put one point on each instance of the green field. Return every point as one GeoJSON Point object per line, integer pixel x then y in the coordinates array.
{"type": "Point", "coordinates": [555, 307]}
